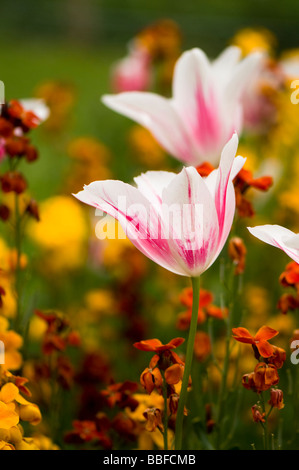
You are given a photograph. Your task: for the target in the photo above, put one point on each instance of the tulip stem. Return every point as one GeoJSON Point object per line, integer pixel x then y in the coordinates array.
{"type": "Point", "coordinates": [188, 364]}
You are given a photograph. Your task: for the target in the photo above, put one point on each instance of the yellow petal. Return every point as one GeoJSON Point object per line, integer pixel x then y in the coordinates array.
{"type": "Point", "coordinates": [8, 417]}
{"type": "Point", "coordinates": [9, 392]}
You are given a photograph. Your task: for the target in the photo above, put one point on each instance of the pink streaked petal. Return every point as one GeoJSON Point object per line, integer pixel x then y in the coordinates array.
{"type": "Point", "coordinates": [224, 171]}
{"type": "Point", "coordinates": [225, 200]}
{"type": "Point", "coordinates": [195, 100]}
{"type": "Point", "coordinates": [191, 73]}
{"type": "Point", "coordinates": [158, 115]}
{"type": "Point", "coordinates": [194, 228]}
{"type": "Point", "coordinates": [136, 215]}
{"type": "Point", "coordinates": [293, 242]}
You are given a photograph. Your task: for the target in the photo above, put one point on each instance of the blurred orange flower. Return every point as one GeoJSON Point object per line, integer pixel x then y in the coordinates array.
{"type": "Point", "coordinates": [155, 345]}
{"type": "Point", "coordinates": [259, 340]}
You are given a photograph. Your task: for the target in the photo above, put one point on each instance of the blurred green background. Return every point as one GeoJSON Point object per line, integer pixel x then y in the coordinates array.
{"type": "Point", "coordinates": [77, 41]}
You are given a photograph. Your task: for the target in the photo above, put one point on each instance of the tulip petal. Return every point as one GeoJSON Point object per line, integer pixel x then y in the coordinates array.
{"type": "Point", "coordinates": [243, 75]}
{"type": "Point", "coordinates": [37, 106]}
{"type": "Point", "coordinates": [193, 228]}
{"type": "Point", "coordinates": [152, 183]}
{"type": "Point", "coordinates": [228, 59]}
{"type": "Point", "coordinates": [136, 215]}
{"type": "Point", "coordinates": [224, 192]}
{"type": "Point", "coordinates": [158, 115]}
{"type": "Point", "coordinates": [195, 99]}
{"type": "Point", "coordinates": [277, 236]}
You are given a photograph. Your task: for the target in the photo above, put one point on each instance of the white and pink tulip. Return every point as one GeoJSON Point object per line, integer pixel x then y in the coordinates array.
{"type": "Point", "coordinates": [206, 107]}
{"type": "Point", "coordinates": [180, 221]}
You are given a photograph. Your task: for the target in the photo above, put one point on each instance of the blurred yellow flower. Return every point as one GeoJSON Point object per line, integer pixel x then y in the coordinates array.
{"type": "Point", "coordinates": [250, 39]}
{"type": "Point", "coordinates": [99, 302]}
{"type": "Point", "coordinates": [148, 439]}
{"type": "Point", "coordinates": [89, 159]}
{"type": "Point", "coordinates": [59, 97]}
{"type": "Point", "coordinates": [61, 233]}
{"type": "Point", "coordinates": [12, 342]}
{"type": "Point", "coordinates": [37, 328]}
{"type": "Point", "coordinates": [145, 148]}
{"type": "Point", "coordinates": [44, 442]}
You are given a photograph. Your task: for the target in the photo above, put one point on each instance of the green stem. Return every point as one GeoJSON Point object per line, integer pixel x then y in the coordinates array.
{"type": "Point", "coordinates": [265, 424]}
{"type": "Point", "coordinates": [188, 364]}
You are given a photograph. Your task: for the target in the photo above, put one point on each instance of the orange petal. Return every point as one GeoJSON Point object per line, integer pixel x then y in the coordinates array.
{"type": "Point", "coordinates": [148, 345]}
{"type": "Point", "coordinates": [242, 333]}
{"type": "Point", "coordinates": [265, 333]}
{"type": "Point", "coordinates": [174, 374]}
{"type": "Point", "coordinates": [265, 349]}
{"type": "Point", "coordinates": [174, 343]}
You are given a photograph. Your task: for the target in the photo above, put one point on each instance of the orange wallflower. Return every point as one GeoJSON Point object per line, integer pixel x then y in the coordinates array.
{"type": "Point", "coordinates": [151, 379]}
{"type": "Point", "coordinates": [278, 357]}
{"type": "Point", "coordinates": [243, 181]}
{"type": "Point", "coordinates": [28, 118]}
{"type": "Point", "coordinates": [205, 169]}
{"type": "Point", "coordinates": [265, 375]}
{"type": "Point", "coordinates": [276, 398]}
{"type": "Point", "coordinates": [120, 394]}
{"type": "Point", "coordinates": [237, 252]}
{"type": "Point", "coordinates": [287, 302]}
{"type": "Point", "coordinates": [202, 345]}
{"type": "Point", "coordinates": [206, 308]}
{"type": "Point", "coordinates": [290, 277]}
{"type": "Point", "coordinates": [86, 431]}
{"type": "Point", "coordinates": [153, 418]}
{"type": "Point", "coordinates": [260, 340]}
{"type": "Point", "coordinates": [155, 345]}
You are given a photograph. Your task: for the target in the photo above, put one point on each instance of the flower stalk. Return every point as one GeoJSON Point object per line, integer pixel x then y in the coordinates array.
{"type": "Point", "coordinates": [188, 365]}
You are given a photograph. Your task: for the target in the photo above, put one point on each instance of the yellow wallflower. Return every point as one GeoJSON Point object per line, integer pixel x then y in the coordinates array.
{"type": "Point", "coordinates": [146, 439]}
{"type": "Point", "coordinates": [61, 233]}
{"type": "Point", "coordinates": [13, 409]}
{"type": "Point", "coordinates": [12, 342]}
{"type": "Point", "coordinates": [249, 39]}
{"type": "Point", "coordinates": [8, 415]}
{"type": "Point", "coordinates": [8, 308]}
